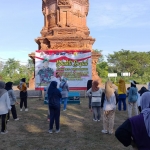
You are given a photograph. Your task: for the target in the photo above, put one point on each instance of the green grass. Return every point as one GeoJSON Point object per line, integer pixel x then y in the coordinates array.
{"type": "Point", "coordinates": [78, 131]}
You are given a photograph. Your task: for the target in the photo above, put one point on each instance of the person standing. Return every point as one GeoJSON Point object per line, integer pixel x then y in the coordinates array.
{"type": "Point", "coordinates": [23, 94]}
{"type": "Point", "coordinates": [13, 100]}
{"type": "Point", "coordinates": [89, 85]}
{"type": "Point", "coordinates": [132, 99]}
{"type": "Point", "coordinates": [4, 107]}
{"type": "Point", "coordinates": [121, 94]}
{"type": "Point", "coordinates": [96, 93]}
{"type": "Point", "coordinates": [109, 108]}
{"type": "Point", "coordinates": [135, 131]}
{"type": "Point", "coordinates": [54, 97]}
{"type": "Point", "coordinates": [65, 90]}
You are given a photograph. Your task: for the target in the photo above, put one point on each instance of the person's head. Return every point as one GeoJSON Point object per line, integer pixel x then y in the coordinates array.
{"type": "Point", "coordinates": [95, 87]}
{"type": "Point", "coordinates": [8, 85]}
{"type": "Point", "coordinates": [142, 90]}
{"type": "Point", "coordinates": [109, 89]}
{"type": "Point", "coordinates": [121, 81]}
{"type": "Point", "coordinates": [45, 63]}
{"type": "Point", "coordinates": [2, 85]}
{"type": "Point", "coordinates": [23, 79]}
{"type": "Point", "coordinates": [64, 79]}
{"type": "Point", "coordinates": [133, 83]}
{"type": "Point", "coordinates": [145, 100]}
{"type": "Point", "coordinates": [53, 84]}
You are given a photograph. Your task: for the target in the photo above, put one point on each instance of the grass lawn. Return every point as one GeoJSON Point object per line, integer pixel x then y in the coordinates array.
{"type": "Point", "coordinates": [78, 131]}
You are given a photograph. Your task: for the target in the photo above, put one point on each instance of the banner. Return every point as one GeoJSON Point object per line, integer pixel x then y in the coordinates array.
{"type": "Point", "coordinates": [74, 65]}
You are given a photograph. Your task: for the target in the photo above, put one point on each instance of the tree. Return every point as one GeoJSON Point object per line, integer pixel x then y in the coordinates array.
{"type": "Point", "coordinates": [102, 66]}
{"type": "Point", "coordinates": [129, 61]}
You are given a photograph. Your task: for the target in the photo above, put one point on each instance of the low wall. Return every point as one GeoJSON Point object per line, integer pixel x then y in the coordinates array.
{"type": "Point", "coordinates": [34, 93]}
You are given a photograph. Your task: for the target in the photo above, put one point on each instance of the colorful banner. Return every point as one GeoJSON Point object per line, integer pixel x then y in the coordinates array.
{"type": "Point", "coordinates": [74, 65]}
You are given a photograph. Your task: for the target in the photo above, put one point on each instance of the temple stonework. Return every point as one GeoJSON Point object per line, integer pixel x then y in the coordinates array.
{"type": "Point", "coordinates": [65, 25]}
{"type": "Point", "coordinates": [65, 28]}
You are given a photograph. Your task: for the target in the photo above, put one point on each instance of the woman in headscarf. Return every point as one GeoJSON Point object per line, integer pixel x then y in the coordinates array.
{"type": "Point", "coordinates": [4, 106]}
{"type": "Point", "coordinates": [121, 94]}
{"type": "Point", "coordinates": [65, 90]}
{"type": "Point", "coordinates": [135, 131]}
{"type": "Point", "coordinates": [96, 93]}
{"type": "Point", "coordinates": [109, 108]}
{"type": "Point", "coordinates": [23, 94]}
{"type": "Point", "coordinates": [140, 92]}
{"type": "Point", "coordinates": [13, 100]}
{"type": "Point", "coordinates": [132, 99]}
{"type": "Point", "coordinates": [54, 97]}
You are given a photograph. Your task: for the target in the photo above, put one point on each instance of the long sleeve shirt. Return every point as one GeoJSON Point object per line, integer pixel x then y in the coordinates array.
{"type": "Point", "coordinates": [12, 97]}
{"type": "Point", "coordinates": [4, 104]}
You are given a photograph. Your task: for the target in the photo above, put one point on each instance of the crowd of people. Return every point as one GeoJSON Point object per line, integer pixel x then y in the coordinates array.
{"type": "Point", "coordinates": [134, 131]}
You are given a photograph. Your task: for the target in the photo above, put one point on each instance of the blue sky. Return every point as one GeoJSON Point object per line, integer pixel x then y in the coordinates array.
{"type": "Point", "coordinates": [114, 24]}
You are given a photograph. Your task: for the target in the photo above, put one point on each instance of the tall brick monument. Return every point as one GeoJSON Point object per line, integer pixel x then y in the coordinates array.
{"type": "Point", "coordinates": [65, 28]}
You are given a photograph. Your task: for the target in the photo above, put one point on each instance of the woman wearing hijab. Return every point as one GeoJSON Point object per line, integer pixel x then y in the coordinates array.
{"type": "Point", "coordinates": [121, 94]}
{"type": "Point", "coordinates": [23, 94]}
{"type": "Point", "coordinates": [135, 131]}
{"type": "Point", "coordinates": [140, 92]}
{"type": "Point", "coordinates": [54, 97]}
{"type": "Point", "coordinates": [65, 90]}
{"type": "Point", "coordinates": [96, 93]}
{"type": "Point", "coordinates": [4, 106]}
{"type": "Point", "coordinates": [109, 108]}
{"type": "Point", "coordinates": [13, 100]}
{"type": "Point", "coordinates": [132, 99]}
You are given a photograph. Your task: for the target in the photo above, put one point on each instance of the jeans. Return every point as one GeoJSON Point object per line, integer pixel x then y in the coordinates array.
{"type": "Point", "coordinates": [96, 112]}
{"type": "Point", "coordinates": [122, 99]}
{"type": "Point", "coordinates": [65, 102]}
{"type": "Point", "coordinates": [54, 116]}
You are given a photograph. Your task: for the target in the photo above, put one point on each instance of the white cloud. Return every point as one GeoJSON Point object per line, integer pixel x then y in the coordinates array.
{"type": "Point", "coordinates": [126, 14]}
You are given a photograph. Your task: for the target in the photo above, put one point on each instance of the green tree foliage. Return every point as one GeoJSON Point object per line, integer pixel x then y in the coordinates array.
{"type": "Point", "coordinates": [129, 61]}
{"type": "Point", "coordinates": [13, 70]}
{"type": "Point", "coordinates": [102, 66]}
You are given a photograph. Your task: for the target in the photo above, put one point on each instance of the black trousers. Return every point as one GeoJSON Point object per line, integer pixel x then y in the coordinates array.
{"type": "Point", "coordinates": [23, 101]}
{"type": "Point", "coordinates": [13, 111]}
{"type": "Point", "coordinates": [3, 122]}
{"type": "Point", "coordinates": [54, 116]}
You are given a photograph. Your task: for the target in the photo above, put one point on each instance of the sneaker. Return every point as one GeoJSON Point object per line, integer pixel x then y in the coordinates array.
{"type": "Point", "coordinates": [111, 132]}
{"type": "Point", "coordinates": [21, 109]}
{"type": "Point", "coordinates": [16, 119]}
{"type": "Point", "coordinates": [57, 131]}
{"type": "Point", "coordinates": [64, 110]}
{"type": "Point", "coordinates": [98, 120]}
{"type": "Point", "coordinates": [8, 120]}
{"type": "Point", "coordinates": [104, 131]}
{"type": "Point", "coordinates": [94, 120]}
{"type": "Point", "coordinates": [4, 132]}
{"type": "Point", "coordinates": [50, 131]}
{"type": "Point", "coordinates": [26, 109]}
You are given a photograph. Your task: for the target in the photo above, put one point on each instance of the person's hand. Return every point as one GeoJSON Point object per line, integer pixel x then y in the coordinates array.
{"type": "Point", "coordinates": [17, 103]}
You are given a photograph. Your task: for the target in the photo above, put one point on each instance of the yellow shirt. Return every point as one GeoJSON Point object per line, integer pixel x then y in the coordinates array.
{"type": "Point", "coordinates": [119, 90]}
{"type": "Point", "coordinates": [24, 87]}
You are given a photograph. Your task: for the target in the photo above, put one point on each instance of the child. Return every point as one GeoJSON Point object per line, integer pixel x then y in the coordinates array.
{"type": "Point", "coordinates": [109, 108]}
{"type": "Point", "coordinates": [13, 100]}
